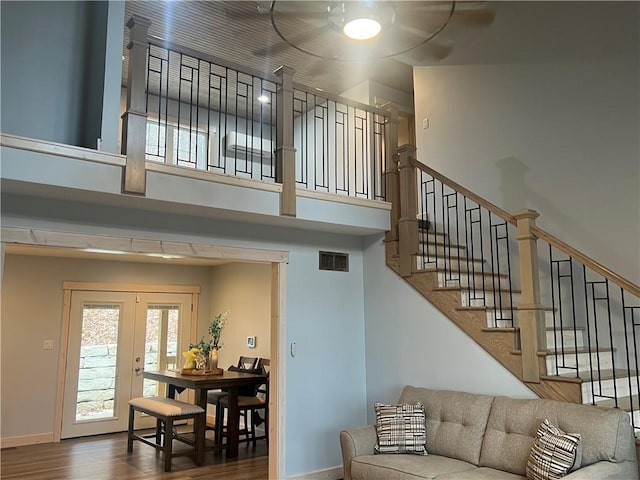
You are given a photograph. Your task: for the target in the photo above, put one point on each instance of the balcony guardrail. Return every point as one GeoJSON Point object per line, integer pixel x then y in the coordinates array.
{"type": "Point", "coordinates": [339, 144]}
{"type": "Point", "coordinates": [206, 115]}
{"type": "Point", "coordinates": [201, 112]}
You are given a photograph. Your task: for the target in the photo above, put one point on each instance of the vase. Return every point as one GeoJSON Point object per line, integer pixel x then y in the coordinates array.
{"type": "Point", "coordinates": [213, 358]}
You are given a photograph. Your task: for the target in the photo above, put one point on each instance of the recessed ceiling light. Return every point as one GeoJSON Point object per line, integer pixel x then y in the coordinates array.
{"type": "Point", "coordinates": [362, 28]}
{"type": "Point", "coordinates": [103, 250]}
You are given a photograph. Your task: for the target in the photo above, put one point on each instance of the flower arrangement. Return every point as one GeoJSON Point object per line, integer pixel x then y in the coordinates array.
{"type": "Point", "coordinates": [215, 328]}
{"type": "Point", "coordinates": [199, 353]}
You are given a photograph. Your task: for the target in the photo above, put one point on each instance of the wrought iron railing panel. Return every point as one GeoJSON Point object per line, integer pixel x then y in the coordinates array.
{"type": "Point", "coordinates": [339, 145]}
{"type": "Point", "coordinates": [207, 116]}
{"type": "Point", "coordinates": [595, 331]}
{"type": "Point", "coordinates": [470, 248]}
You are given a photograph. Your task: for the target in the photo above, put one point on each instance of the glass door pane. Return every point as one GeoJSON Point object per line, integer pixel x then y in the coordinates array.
{"type": "Point", "coordinates": [161, 343]}
{"type": "Point", "coordinates": [98, 360]}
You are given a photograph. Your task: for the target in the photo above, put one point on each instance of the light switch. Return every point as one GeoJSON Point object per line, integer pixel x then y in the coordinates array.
{"type": "Point", "coordinates": [425, 123]}
{"type": "Point", "coordinates": [47, 344]}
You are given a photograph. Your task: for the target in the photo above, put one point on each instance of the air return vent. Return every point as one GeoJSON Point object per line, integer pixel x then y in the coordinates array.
{"type": "Point", "coordinates": [334, 261]}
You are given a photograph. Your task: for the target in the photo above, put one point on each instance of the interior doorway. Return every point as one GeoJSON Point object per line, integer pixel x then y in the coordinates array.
{"type": "Point", "coordinates": [75, 244]}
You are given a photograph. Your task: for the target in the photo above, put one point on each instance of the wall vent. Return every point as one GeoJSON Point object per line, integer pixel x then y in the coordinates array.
{"type": "Point", "coordinates": [338, 262]}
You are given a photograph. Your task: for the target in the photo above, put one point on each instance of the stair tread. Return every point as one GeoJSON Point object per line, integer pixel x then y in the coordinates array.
{"type": "Point", "coordinates": [624, 403]}
{"type": "Point", "coordinates": [479, 290]}
{"type": "Point", "coordinates": [478, 274]}
{"type": "Point", "coordinates": [484, 308]}
{"type": "Point", "coordinates": [579, 350]}
{"type": "Point", "coordinates": [568, 329]}
{"type": "Point", "coordinates": [450, 257]}
{"type": "Point", "coordinates": [443, 244]}
{"type": "Point", "coordinates": [607, 374]}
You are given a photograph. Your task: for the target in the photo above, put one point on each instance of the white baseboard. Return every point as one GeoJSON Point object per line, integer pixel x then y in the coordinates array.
{"type": "Point", "coordinates": [21, 441]}
{"type": "Point", "coordinates": [334, 473]}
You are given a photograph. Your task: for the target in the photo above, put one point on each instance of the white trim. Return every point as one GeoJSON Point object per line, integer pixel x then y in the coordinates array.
{"type": "Point", "coordinates": [333, 473]}
{"type": "Point", "coordinates": [23, 440]}
{"type": "Point", "coordinates": [28, 236]}
{"type": "Point", "coordinates": [157, 167]}
{"type": "Point", "coordinates": [333, 197]}
{"type": "Point", "coordinates": [61, 150]}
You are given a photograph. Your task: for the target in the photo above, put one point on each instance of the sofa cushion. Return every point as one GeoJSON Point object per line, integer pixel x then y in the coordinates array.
{"type": "Point", "coordinates": [455, 422]}
{"type": "Point", "coordinates": [553, 454]}
{"type": "Point", "coordinates": [481, 473]}
{"type": "Point", "coordinates": [606, 433]}
{"type": "Point", "coordinates": [405, 467]}
{"type": "Point", "coordinates": [400, 428]}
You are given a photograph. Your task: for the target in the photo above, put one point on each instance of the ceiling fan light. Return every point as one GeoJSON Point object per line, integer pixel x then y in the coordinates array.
{"type": "Point", "coordinates": [362, 28]}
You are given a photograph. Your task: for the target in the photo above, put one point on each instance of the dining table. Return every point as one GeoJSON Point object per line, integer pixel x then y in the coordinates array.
{"type": "Point", "coordinates": [201, 383]}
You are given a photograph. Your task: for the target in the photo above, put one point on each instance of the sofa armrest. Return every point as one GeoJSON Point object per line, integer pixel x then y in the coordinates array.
{"type": "Point", "coordinates": [355, 442]}
{"type": "Point", "coordinates": [604, 470]}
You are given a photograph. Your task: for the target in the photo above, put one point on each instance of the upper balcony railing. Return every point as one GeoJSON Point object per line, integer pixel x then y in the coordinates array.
{"type": "Point", "coordinates": [192, 110]}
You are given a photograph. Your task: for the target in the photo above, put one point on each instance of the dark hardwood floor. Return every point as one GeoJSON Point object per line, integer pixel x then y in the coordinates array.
{"type": "Point", "coordinates": [105, 457]}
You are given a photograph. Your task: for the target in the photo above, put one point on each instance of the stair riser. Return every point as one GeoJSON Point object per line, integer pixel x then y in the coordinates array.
{"type": "Point", "coordinates": [488, 299]}
{"type": "Point", "coordinates": [606, 388]}
{"type": "Point", "coordinates": [441, 250]}
{"type": "Point", "coordinates": [455, 279]}
{"type": "Point", "coordinates": [500, 318]}
{"type": "Point", "coordinates": [583, 362]}
{"type": "Point", "coordinates": [567, 337]}
{"type": "Point", "coordinates": [430, 262]}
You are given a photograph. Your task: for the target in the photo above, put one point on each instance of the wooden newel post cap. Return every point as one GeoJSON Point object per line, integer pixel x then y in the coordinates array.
{"type": "Point", "coordinates": [526, 213]}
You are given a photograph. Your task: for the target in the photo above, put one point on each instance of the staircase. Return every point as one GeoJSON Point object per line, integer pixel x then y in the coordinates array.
{"type": "Point", "coordinates": [559, 321]}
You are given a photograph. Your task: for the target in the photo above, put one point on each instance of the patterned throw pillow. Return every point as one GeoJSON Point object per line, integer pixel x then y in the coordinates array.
{"type": "Point", "coordinates": [553, 454]}
{"type": "Point", "coordinates": [400, 429]}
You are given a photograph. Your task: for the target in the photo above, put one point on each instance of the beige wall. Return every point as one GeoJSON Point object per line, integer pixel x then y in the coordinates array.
{"type": "Point", "coordinates": [32, 312]}
{"type": "Point", "coordinates": [245, 290]}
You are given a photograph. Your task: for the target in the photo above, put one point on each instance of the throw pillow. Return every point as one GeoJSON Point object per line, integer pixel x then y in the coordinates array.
{"type": "Point", "coordinates": [554, 453]}
{"type": "Point", "coordinates": [400, 428]}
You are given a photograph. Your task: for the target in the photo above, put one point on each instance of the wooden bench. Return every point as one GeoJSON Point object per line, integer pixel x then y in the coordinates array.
{"type": "Point", "coordinates": [167, 411]}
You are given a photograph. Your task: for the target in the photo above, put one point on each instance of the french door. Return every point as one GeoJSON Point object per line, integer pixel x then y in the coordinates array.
{"type": "Point", "coordinates": [113, 336]}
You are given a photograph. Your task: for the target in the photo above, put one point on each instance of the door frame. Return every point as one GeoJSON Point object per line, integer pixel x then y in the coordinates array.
{"type": "Point", "coordinates": [69, 287]}
{"type": "Point", "coordinates": [278, 260]}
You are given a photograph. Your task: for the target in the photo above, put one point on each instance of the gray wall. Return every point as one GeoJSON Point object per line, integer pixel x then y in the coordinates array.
{"type": "Point", "coordinates": [324, 312]}
{"type": "Point", "coordinates": [547, 117]}
{"type": "Point", "coordinates": [52, 60]}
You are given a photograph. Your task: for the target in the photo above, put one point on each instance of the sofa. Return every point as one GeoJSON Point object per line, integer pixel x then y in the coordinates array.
{"type": "Point", "coordinates": [481, 437]}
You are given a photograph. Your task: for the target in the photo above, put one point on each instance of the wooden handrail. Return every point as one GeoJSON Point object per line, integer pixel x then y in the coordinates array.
{"type": "Point", "coordinates": [587, 261]}
{"type": "Point", "coordinates": [174, 47]}
{"type": "Point", "coordinates": [339, 99]}
{"type": "Point", "coordinates": [506, 216]}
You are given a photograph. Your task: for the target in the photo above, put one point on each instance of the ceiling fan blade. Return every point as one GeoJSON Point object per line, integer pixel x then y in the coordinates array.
{"type": "Point", "coordinates": [297, 39]}
{"type": "Point", "coordinates": [432, 48]}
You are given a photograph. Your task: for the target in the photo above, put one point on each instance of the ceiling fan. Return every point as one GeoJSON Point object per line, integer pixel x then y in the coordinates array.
{"type": "Point", "coordinates": [404, 30]}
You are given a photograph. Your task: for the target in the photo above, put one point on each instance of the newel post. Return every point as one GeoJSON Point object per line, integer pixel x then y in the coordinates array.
{"type": "Point", "coordinates": [392, 178]}
{"type": "Point", "coordinates": [134, 120]}
{"type": "Point", "coordinates": [530, 314]}
{"type": "Point", "coordinates": [285, 151]}
{"type": "Point", "coordinates": [408, 221]}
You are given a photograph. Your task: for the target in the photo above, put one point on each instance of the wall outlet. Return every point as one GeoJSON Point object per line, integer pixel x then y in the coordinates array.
{"type": "Point", "coordinates": [47, 344]}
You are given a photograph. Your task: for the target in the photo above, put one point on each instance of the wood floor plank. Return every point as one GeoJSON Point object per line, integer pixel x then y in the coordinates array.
{"type": "Point", "coordinates": [105, 457]}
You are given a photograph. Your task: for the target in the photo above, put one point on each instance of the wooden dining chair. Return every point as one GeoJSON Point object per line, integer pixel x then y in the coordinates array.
{"type": "Point", "coordinates": [214, 396]}
{"type": "Point", "coordinates": [250, 406]}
